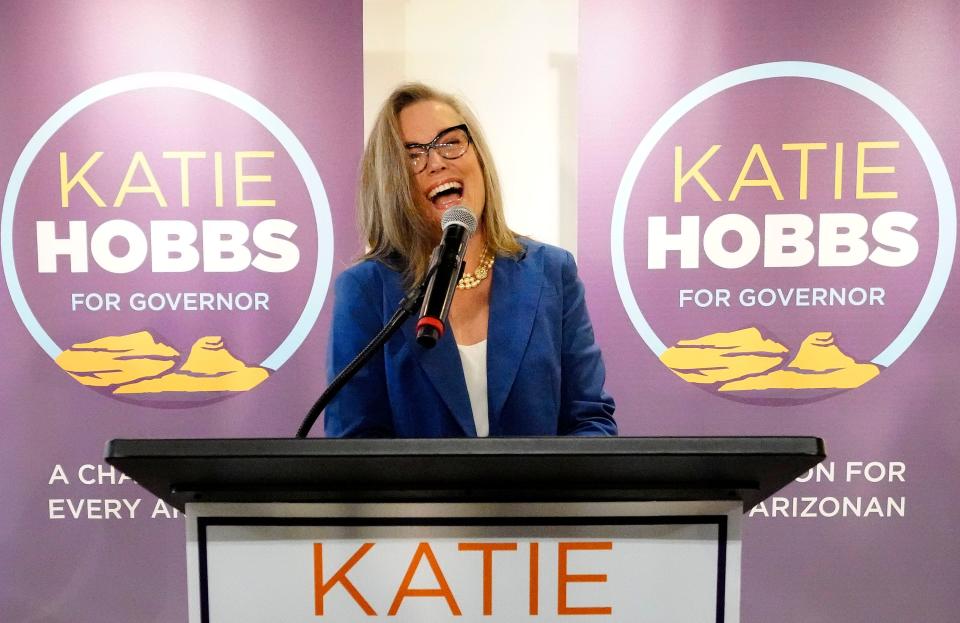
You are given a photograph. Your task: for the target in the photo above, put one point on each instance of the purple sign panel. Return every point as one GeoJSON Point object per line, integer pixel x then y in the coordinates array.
{"type": "Point", "coordinates": [770, 240]}
{"type": "Point", "coordinates": [178, 193]}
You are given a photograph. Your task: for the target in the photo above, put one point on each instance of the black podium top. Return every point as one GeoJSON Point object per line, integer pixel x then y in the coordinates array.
{"type": "Point", "coordinates": [504, 469]}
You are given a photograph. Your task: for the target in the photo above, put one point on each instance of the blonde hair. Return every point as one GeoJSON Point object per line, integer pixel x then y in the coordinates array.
{"type": "Point", "coordinates": [397, 231]}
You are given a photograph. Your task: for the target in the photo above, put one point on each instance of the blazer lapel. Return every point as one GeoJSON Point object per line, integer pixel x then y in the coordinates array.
{"type": "Point", "coordinates": [442, 366]}
{"type": "Point", "coordinates": [514, 300]}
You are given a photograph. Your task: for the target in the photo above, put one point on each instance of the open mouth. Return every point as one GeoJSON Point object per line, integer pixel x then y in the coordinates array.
{"type": "Point", "coordinates": [446, 194]}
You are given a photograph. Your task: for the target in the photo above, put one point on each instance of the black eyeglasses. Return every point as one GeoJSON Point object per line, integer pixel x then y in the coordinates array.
{"type": "Point", "coordinates": [450, 144]}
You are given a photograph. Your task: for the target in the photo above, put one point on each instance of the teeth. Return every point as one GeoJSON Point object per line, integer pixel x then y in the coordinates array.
{"type": "Point", "coordinates": [442, 187]}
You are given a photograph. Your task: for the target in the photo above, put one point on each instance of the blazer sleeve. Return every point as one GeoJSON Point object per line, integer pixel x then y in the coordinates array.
{"type": "Point", "coordinates": [585, 406]}
{"type": "Point", "coordinates": [362, 408]}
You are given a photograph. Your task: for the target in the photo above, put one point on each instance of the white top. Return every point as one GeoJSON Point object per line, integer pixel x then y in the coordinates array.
{"type": "Point", "coordinates": [474, 359]}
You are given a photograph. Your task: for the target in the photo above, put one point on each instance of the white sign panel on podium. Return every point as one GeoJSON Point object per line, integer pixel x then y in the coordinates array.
{"type": "Point", "coordinates": [506, 562]}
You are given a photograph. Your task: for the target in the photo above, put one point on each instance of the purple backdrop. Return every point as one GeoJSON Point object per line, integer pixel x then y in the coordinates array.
{"type": "Point", "coordinates": [302, 60]}
{"type": "Point", "coordinates": [898, 560]}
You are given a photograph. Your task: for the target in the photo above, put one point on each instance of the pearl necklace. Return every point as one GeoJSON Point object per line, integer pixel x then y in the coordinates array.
{"type": "Point", "coordinates": [481, 272]}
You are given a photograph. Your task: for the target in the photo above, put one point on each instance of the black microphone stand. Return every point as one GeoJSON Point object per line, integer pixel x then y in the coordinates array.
{"type": "Point", "coordinates": [410, 303]}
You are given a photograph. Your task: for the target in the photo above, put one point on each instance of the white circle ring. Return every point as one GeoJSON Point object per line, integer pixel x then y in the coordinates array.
{"type": "Point", "coordinates": [207, 86]}
{"type": "Point", "coordinates": [942, 187]}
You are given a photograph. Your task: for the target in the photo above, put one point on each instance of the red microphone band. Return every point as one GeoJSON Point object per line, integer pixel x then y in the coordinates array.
{"type": "Point", "coordinates": [432, 322]}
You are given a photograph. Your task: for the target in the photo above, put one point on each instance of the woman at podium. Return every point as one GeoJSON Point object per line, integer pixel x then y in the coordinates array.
{"type": "Point", "coordinates": [518, 356]}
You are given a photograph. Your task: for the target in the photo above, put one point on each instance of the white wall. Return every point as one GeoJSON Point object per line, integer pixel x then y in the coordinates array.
{"type": "Point", "coordinates": [515, 63]}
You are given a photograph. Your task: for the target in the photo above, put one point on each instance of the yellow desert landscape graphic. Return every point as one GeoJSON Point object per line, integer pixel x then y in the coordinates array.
{"type": "Point", "coordinates": [138, 364]}
{"type": "Point", "coordinates": [746, 361]}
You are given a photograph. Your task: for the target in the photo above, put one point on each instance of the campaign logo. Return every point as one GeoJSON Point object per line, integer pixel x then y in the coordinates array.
{"type": "Point", "coordinates": [783, 233]}
{"type": "Point", "coordinates": [166, 239]}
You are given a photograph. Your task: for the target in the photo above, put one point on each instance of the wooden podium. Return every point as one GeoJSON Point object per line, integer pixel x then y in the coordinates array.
{"type": "Point", "coordinates": [512, 529]}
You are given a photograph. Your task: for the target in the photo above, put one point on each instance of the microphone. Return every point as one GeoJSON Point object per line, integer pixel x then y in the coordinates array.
{"type": "Point", "coordinates": [447, 262]}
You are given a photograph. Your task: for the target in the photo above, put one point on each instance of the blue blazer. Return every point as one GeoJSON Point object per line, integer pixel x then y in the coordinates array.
{"type": "Point", "coordinates": [545, 374]}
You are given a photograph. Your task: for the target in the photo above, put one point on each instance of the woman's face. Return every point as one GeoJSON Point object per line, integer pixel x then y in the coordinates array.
{"type": "Point", "coordinates": [442, 183]}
